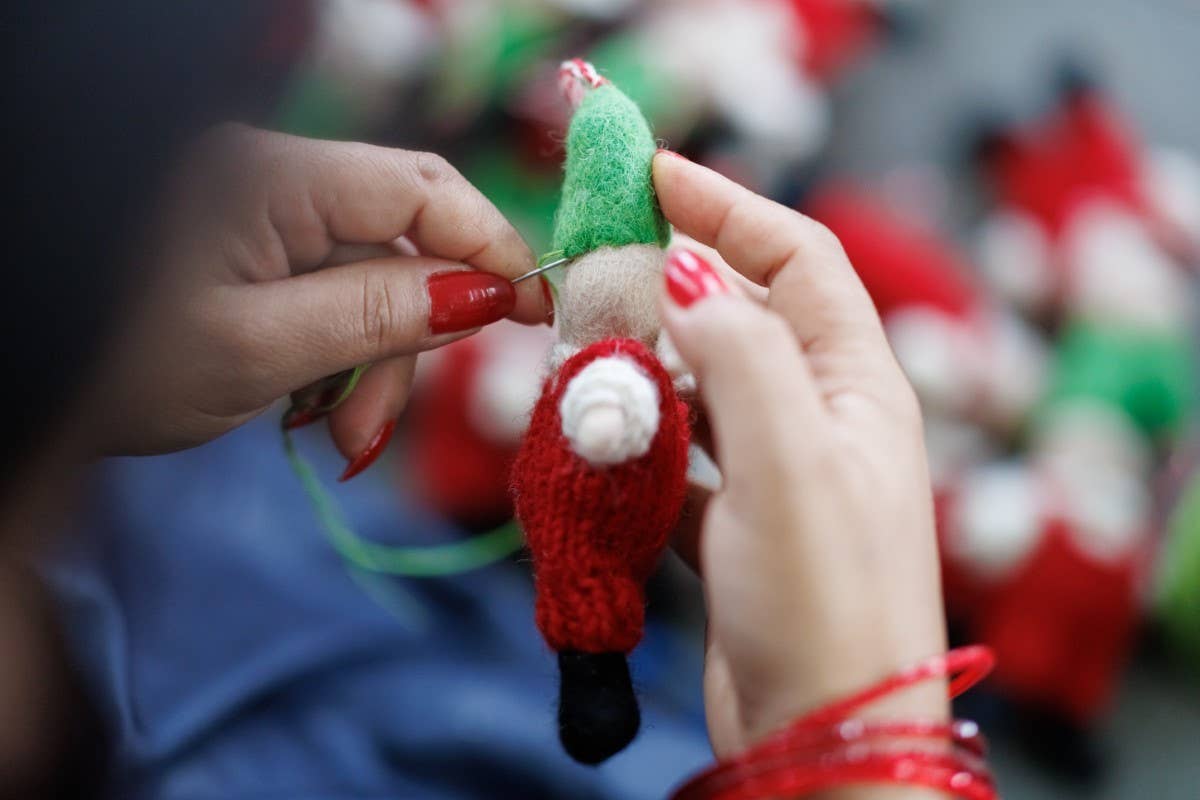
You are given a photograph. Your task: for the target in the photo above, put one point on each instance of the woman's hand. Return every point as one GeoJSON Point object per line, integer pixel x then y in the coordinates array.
{"type": "Point", "coordinates": [290, 259]}
{"type": "Point", "coordinates": [818, 554]}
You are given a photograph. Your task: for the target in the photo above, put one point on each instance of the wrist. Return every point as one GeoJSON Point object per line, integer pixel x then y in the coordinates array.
{"type": "Point", "coordinates": [830, 749]}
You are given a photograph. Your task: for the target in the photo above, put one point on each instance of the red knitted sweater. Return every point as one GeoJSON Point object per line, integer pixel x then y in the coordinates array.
{"type": "Point", "coordinates": [596, 533]}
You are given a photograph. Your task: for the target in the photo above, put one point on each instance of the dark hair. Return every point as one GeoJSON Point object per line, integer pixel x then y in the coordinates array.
{"type": "Point", "coordinates": [98, 97]}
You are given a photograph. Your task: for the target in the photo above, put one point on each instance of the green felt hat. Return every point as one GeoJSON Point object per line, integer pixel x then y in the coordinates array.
{"type": "Point", "coordinates": [607, 194]}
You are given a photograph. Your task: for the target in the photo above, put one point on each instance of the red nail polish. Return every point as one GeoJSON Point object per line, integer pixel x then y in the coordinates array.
{"type": "Point", "coordinates": [690, 278]}
{"type": "Point", "coordinates": [298, 418]}
{"type": "Point", "coordinates": [548, 298]}
{"type": "Point", "coordinates": [466, 299]}
{"type": "Point", "coordinates": [371, 452]}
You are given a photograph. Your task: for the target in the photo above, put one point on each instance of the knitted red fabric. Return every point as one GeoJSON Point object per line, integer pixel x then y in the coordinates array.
{"type": "Point", "coordinates": [596, 533]}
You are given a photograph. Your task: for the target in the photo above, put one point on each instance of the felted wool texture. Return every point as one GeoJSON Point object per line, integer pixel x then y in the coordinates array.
{"type": "Point", "coordinates": [611, 293]}
{"type": "Point", "coordinates": [610, 386]}
{"type": "Point", "coordinates": [607, 194]}
{"type": "Point", "coordinates": [595, 534]}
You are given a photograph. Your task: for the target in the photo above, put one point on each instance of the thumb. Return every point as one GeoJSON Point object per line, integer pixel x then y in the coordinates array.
{"type": "Point", "coordinates": [323, 322]}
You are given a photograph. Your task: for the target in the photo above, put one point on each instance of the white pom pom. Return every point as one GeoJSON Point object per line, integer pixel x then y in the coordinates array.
{"type": "Point", "coordinates": [610, 411]}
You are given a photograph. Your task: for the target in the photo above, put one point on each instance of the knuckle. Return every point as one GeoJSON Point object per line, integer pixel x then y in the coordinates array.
{"type": "Point", "coordinates": [379, 318]}
{"type": "Point", "coordinates": [433, 170]}
{"type": "Point", "coordinates": [820, 238]}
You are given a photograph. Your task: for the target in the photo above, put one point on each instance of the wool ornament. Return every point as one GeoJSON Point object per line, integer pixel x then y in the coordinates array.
{"type": "Point", "coordinates": [1044, 562]}
{"type": "Point", "coordinates": [967, 358]}
{"type": "Point", "coordinates": [600, 478]}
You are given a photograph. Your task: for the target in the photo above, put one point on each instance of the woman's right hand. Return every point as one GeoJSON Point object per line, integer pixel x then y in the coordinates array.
{"type": "Point", "coordinates": [818, 554]}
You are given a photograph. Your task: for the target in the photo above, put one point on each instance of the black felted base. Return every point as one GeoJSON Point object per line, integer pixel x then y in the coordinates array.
{"type": "Point", "coordinates": [597, 710]}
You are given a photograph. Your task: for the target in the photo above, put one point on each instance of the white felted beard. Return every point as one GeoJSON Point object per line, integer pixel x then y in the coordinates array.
{"type": "Point", "coordinates": [610, 411]}
{"type": "Point", "coordinates": [611, 292]}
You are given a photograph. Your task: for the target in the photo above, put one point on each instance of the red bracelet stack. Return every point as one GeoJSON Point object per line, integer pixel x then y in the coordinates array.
{"type": "Point", "coordinates": [825, 748]}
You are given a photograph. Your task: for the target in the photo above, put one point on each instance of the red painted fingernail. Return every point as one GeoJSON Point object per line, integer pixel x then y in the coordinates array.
{"type": "Point", "coordinates": [371, 452]}
{"type": "Point", "coordinates": [466, 299]}
{"type": "Point", "coordinates": [690, 278]}
{"type": "Point", "coordinates": [298, 418]}
{"type": "Point", "coordinates": [664, 151]}
{"type": "Point", "coordinates": [548, 298]}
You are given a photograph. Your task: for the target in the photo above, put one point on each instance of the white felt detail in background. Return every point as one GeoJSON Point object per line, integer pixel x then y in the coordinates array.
{"type": "Point", "coordinates": [1119, 275]}
{"type": "Point", "coordinates": [1171, 180]}
{"type": "Point", "coordinates": [509, 380]}
{"type": "Point", "coordinates": [610, 411]}
{"type": "Point", "coordinates": [939, 354]}
{"type": "Point", "coordinates": [1095, 458]}
{"type": "Point", "coordinates": [998, 518]}
{"type": "Point", "coordinates": [1014, 254]}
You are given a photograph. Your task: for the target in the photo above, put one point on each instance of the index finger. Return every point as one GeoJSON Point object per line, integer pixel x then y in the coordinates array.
{"type": "Point", "coordinates": [329, 193]}
{"type": "Point", "coordinates": [810, 279]}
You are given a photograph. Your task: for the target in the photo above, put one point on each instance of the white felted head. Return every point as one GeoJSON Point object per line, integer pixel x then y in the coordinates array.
{"type": "Point", "coordinates": [612, 292]}
{"type": "Point", "coordinates": [609, 411]}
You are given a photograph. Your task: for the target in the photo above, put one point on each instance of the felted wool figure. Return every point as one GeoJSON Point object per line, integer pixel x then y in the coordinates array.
{"type": "Point", "coordinates": [1079, 174]}
{"type": "Point", "coordinates": [966, 358]}
{"type": "Point", "coordinates": [1049, 575]}
{"type": "Point", "coordinates": [600, 479]}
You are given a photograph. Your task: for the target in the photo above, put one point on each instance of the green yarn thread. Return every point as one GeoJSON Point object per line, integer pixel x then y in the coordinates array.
{"type": "Point", "coordinates": [411, 561]}
{"type": "Point", "coordinates": [607, 194]}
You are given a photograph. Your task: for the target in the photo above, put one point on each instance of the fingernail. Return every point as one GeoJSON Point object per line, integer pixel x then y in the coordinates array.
{"type": "Point", "coordinates": [664, 151]}
{"type": "Point", "coordinates": [690, 278]}
{"type": "Point", "coordinates": [299, 417]}
{"type": "Point", "coordinates": [548, 298]}
{"type": "Point", "coordinates": [371, 452]}
{"type": "Point", "coordinates": [461, 300]}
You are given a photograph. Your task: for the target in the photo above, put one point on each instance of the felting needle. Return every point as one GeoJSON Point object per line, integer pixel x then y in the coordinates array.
{"type": "Point", "coordinates": [558, 262]}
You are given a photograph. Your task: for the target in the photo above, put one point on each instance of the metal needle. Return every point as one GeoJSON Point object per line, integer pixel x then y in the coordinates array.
{"type": "Point", "coordinates": [539, 270]}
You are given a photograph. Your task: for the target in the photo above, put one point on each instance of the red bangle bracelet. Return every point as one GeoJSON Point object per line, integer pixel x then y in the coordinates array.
{"type": "Point", "coordinates": [796, 776]}
{"type": "Point", "coordinates": [824, 749]}
{"type": "Point", "coordinates": [965, 666]}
